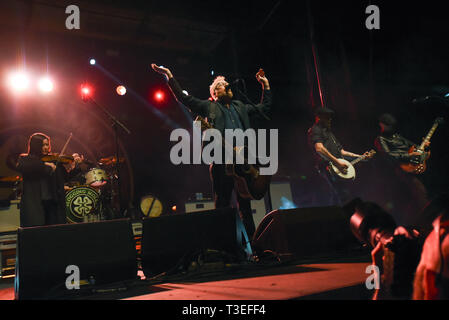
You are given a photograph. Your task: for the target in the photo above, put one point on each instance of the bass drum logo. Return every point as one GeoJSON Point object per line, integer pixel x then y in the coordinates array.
{"type": "Point", "coordinates": [80, 202]}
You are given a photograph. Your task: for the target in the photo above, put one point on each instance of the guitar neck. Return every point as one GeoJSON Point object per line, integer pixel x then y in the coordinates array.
{"type": "Point", "coordinates": [429, 135]}
{"type": "Point", "coordinates": [353, 162]}
{"type": "Point", "coordinates": [370, 153]}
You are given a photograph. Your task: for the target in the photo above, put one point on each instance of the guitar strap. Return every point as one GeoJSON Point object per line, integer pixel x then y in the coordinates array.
{"type": "Point", "coordinates": [212, 113]}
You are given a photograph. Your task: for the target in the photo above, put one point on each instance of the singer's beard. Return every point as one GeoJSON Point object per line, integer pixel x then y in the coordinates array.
{"type": "Point", "coordinates": [225, 99]}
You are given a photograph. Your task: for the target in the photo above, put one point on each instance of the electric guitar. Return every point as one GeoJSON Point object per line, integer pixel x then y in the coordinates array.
{"type": "Point", "coordinates": [417, 164]}
{"type": "Point", "coordinates": [248, 181]}
{"type": "Point", "coordinates": [349, 173]}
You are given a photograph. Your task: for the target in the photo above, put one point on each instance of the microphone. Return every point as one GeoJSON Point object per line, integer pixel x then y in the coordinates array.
{"type": "Point", "coordinates": [232, 84]}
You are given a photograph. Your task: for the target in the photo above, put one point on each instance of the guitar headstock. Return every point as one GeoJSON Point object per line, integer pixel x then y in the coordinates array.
{"type": "Point", "coordinates": [439, 120]}
{"type": "Point", "coordinates": [370, 154]}
{"type": "Point", "coordinates": [204, 124]}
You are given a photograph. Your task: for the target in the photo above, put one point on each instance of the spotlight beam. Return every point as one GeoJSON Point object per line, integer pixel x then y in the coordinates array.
{"type": "Point", "coordinates": [114, 119]}
{"type": "Point", "coordinates": [152, 108]}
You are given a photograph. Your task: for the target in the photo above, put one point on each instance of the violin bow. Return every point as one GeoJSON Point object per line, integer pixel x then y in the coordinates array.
{"type": "Point", "coordinates": [66, 143]}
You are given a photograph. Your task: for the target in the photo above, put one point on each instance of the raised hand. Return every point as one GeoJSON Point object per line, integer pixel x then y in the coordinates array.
{"type": "Point", "coordinates": [162, 70]}
{"type": "Point", "coordinates": [260, 76]}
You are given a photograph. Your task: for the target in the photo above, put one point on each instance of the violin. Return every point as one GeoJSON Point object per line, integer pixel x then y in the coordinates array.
{"type": "Point", "coordinates": [56, 157]}
{"type": "Point", "coordinates": [59, 157]}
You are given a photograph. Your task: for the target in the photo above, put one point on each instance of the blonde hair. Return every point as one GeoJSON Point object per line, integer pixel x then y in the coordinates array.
{"type": "Point", "coordinates": [218, 80]}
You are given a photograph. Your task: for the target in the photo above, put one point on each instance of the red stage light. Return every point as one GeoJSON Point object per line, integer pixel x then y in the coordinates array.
{"type": "Point", "coordinates": [159, 96]}
{"type": "Point", "coordinates": [86, 92]}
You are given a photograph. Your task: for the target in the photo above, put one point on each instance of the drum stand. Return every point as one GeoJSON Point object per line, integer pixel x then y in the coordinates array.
{"type": "Point", "coordinates": [105, 209]}
{"type": "Point", "coordinates": [115, 124]}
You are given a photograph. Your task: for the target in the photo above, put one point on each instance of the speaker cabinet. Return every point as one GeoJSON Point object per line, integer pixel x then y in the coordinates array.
{"type": "Point", "coordinates": [166, 240]}
{"type": "Point", "coordinates": [104, 252]}
{"type": "Point", "coordinates": [10, 217]}
{"type": "Point", "coordinates": [304, 231]}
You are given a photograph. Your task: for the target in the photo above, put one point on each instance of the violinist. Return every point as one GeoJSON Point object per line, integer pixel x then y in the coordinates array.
{"type": "Point", "coordinates": [43, 197]}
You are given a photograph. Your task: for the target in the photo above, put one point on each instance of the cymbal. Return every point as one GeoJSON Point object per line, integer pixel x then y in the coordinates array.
{"type": "Point", "coordinates": [10, 179]}
{"type": "Point", "coordinates": [110, 160]}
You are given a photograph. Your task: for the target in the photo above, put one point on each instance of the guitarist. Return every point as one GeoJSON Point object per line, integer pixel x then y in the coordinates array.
{"type": "Point", "coordinates": [392, 143]}
{"type": "Point", "coordinates": [328, 149]}
{"type": "Point", "coordinates": [223, 112]}
{"type": "Point", "coordinates": [408, 192]}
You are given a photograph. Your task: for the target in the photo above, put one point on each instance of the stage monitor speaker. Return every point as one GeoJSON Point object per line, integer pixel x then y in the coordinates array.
{"type": "Point", "coordinates": [104, 253]}
{"type": "Point", "coordinates": [166, 240]}
{"type": "Point", "coordinates": [304, 231]}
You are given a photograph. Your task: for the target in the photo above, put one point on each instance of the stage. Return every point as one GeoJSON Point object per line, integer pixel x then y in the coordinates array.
{"type": "Point", "coordinates": [338, 277]}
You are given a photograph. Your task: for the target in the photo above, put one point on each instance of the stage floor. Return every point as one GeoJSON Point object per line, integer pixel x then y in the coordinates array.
{"type": "Point", "coordinates": [336, 278]}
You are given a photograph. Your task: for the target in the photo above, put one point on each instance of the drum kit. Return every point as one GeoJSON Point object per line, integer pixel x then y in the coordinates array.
{"type": "Point", "coordinates": [90, 194]}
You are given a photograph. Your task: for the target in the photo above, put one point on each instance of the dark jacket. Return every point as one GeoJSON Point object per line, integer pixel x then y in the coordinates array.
{"type": "Point", "coordinates": [213, 110]}
{"type": "Point", "coordinates": [40, 183]}
{"type": "Point", "coordinates": [394, 147]}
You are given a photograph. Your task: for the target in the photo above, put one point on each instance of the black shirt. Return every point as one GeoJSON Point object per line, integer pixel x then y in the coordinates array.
{"type": "Point", "coordinates": [321, 134]}
{"type": "Point", "coordinates": [232, 120]}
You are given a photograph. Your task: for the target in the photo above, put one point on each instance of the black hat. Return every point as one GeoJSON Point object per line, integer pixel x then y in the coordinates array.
{"type": "Point", "coordinates": [322, 111]}
{"type": "Point", "coordinates": [387, 119]}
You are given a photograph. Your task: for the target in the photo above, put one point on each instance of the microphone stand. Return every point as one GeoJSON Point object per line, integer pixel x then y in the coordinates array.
{"type": "Point", "coordinates": [248, 101]}
{"type": "Point", "coordinates": [267, 199]}
{"type": "Point", "coordinates": [115, 124]}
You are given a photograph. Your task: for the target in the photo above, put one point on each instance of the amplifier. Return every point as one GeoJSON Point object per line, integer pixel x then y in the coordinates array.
{"type": "Point", "coordinates": [199, 205]}
{"type": "Point", "coordinates": [10, 217]}
{"type": "Point", "coordinates": [7, 255]}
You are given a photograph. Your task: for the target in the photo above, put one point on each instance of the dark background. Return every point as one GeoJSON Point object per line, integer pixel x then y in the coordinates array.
{"type": "Point", "coordinates": [363, 73]}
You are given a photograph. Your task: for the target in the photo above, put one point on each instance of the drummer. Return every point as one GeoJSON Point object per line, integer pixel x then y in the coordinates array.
{"type": "Point", "coordinates": [76, 171]}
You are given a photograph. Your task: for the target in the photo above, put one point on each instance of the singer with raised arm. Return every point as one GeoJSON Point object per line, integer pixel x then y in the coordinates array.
{"type": "Point", "coordinates": [224, 112]}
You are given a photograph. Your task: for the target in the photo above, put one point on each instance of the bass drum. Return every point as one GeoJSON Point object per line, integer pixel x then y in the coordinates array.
{"type": "Point", "coordinates": [81, 204]}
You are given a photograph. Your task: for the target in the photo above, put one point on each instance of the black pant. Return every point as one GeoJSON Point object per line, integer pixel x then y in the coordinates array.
{"type": "Point", "coordinates": [53, 213]}
{"type": "Point", "coordinates": [339, 193]}
{"type": "Point", "coordinates": [223, 186]}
